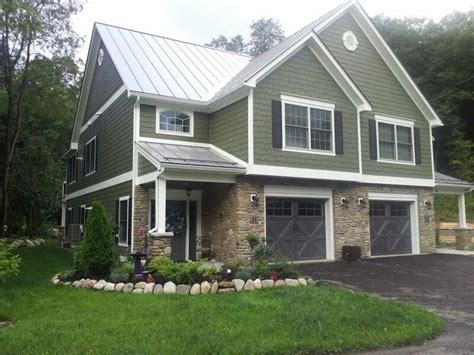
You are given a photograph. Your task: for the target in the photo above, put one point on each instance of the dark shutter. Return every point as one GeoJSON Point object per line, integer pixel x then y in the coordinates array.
{"type": "Point", "coordinates": [373, 139]}
{"type": "Point", "coordinates": [277, 124]}
{"type": "Point", "coordinates": [339, 132]}
{"type": "Point", "coordinates": [417, 146]}
{"type": "Point", "coordinates": [130, 221]}
{"type": "Point", "coordinates": [117, 217]}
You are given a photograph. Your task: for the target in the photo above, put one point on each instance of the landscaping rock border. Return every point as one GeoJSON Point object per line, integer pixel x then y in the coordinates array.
{"type": "Point", "coordinates": [236, 285]}
{"type": "Point", "coordinates": [30, 243]}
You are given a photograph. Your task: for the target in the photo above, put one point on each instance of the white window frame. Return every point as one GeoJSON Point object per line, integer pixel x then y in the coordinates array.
{"type": "Point", "coordinates": [124, 198]}
{"type": "Point", "coordinates": [402, 122]}
{"type": "Point", "coordinates": [95, 159]}
{"type": "Point", "coordinates": [308, 103]}
{"type": "Point", "coordinates": [75, 170]}
{"type": "Point", "coordinates": [68, 210]}
{"type": "Point", "coordinates": [160, 109]}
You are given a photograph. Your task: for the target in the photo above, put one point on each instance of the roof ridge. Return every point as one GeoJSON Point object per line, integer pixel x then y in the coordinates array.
{"type": "Point", "coordinates": [172, 39]}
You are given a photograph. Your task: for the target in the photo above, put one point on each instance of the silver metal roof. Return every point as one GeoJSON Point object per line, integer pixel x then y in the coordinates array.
{"type": "Point", "coordinates": [443, 179]}
{"type": "Point", "coordinates": [162, 66]}
{"type": "Point", "coordinates": [169, 154]}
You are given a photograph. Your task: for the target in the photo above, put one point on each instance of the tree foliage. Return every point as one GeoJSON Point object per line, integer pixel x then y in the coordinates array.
{"type": "Point", "coordinates": [9, 262]}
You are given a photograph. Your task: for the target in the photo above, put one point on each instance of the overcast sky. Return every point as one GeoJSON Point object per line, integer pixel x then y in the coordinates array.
{"type": "Point", "coordinates": [199, 21]}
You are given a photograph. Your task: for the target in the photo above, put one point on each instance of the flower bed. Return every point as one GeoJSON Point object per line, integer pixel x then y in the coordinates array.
{"type": "Point", "coordinates": [205, 287]}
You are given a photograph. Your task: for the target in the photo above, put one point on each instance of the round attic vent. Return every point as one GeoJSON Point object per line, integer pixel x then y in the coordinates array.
{"type": "Point", "coordinates": [350, 41]}
{"type": "Point", "coordinates": [100, 57]}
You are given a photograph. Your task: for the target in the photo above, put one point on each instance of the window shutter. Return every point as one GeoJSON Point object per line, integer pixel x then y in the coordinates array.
{"type": "Point", "coordinates": [96, 150]}
{"type": "Point", "coordinates": [117, 222]}
{"type": "Point", "coordinates": [130, 221]}
{"type": "Point", "coordinates": [277, 124]}
{"type": "Point", "coordinates": [338, 131]}
{"type": "Point", "coordinates": [417, 146]}
{"type": "Point", "coordinates": [373, 139]}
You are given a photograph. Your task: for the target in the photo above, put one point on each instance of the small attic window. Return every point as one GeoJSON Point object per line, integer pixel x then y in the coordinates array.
{"type": "Point", "coordinates": [100, 57]}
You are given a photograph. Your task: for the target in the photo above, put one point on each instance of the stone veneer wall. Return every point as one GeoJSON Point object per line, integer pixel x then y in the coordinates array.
{"type": "Point", "coordinates": [140, 218]}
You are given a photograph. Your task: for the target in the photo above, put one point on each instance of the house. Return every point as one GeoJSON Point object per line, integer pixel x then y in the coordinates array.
{"type": "Point", "coordinates": [322, 141]}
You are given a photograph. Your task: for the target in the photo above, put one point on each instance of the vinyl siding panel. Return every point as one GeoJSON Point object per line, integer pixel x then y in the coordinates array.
{"type": "Point", "coordinates": [105, 82]}
{"type": "Point", "coordinates": [144, 166]}
{"type": "Point", "coordinates": [114, 131]}
{"type": "Point", "coordinates": [148, 126]}
{"type": "Point", "coordinates": [302, 75]}
{"type": "Point", "coordinates": [229, 129]}
{"type": "Point", "coordinates": [386, 95]}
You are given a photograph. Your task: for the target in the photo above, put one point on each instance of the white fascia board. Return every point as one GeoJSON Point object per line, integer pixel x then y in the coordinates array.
{"type": "Point", "coordinates": [388, 196]}
{"type": "Point", "coordinates": [143, 179]}
{"type": "Point", "coordinates": [154, 99]}
{"type": "Point", "coordinates": [394, 64]}
{"type": "Point", "coordinates": [297, 191]}
{"type": "Point", "coordinates": [201, 176]}
{"type": "Point", "coordinates": [394, 180]}
{"type": "Point", "coordinates": [148, 156]}
{"type": "Point", "coordinates": [282, 171]}
{"type": "Point", "coordinates": [211, 169]}
{"type": "Point", "coordinates": [101, 185]}
{"type": "Point", "coordinates": [229, 98]}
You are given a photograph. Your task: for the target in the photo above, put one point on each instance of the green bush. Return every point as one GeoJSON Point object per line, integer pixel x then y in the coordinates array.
{"type": "Point", "coordinates": [253, 240]}
{"type": "Point", "coordinates": [282, 268]}
{"type": "Point", "coordinates": [263, 251]}
{"type": "Point", "coordinates": [118, 274]}
{"type": "Point", "coordinates": [95, 256]}
{"type": "Point", "coordinates": [180, 273]}
{"type": "Point", "coordinates": [262, 269]}
{"type": "Point", "coordinates": [9, 262]}
{"type": "Point", "coordinates": [128, 267]}
{"type": "Point", "coordinates": [243, 274]}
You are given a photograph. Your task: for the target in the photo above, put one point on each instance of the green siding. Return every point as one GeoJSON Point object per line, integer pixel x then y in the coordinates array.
{"type": "Point", "coordinates": [148, 126]}
{"type": "Point", "coordinates": [114, 131]}
{"type": "Point", "coordinates": [229, 129]}
{"type": "Point", "coordinates": [302, 75]}
{"type": "Point", "coordinates": [144, 166]}
{"type": "Point", "coordinates": [386, 95]}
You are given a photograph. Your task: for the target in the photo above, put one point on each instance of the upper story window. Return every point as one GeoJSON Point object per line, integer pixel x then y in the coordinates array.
{"type": "Point", "coordinates": [72, 169]}
{"type": "Point", "coordinates": [174, 122]}
{"type": "Point", "coordinates": [395, 140]}
{"type": "Point", "coordinates": [308, 125]}
{"type": "Point", "coordinates": [90, 156]}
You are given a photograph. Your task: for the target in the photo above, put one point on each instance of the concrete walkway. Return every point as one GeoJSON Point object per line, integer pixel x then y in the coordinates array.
{"type": "Point", "coordinates": [442, 283]}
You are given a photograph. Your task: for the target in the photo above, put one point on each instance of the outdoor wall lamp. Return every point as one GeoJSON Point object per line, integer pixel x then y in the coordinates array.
{"type": "Point", "coordinates": [344, 202]}
{"type": "Point", "coordinates": [188, 190]}
{"type": "Point", "coordinates": [79, 157]}
{"type": "Point", "coordinates": [428, 204]}
{"type": "Point", "coordinates": [254, 199]}
{"type": "Point", "coordinates": [361, 201]}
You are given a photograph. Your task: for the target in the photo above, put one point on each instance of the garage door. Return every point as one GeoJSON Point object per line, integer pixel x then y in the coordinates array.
{"type": "Point", "coordinates": [390, 228]}
{"type": "Point", "coordinates": [295, 228]}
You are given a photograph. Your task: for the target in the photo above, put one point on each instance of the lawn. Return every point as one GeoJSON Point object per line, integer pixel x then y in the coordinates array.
{"type": "Point", "coordinates": [58, 319]}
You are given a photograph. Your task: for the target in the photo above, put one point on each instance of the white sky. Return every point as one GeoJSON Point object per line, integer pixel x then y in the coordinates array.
{"type": "Point", "coordinates": [200, 21]}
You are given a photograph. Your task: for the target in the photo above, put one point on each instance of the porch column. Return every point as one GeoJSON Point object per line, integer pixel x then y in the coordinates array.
{"type": "Point", "coordinates": [160, 207]}
{"type": "Point", "coordinates": [462, 211]}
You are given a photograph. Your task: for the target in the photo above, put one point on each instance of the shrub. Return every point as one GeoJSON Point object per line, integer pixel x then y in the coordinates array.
{"type": "Point", "coordinates": [253, 240]}
{"type": "Point", "coordinates": [128, 267]}
{"type": "Point", "coordinates": [96, 254]}
{"type": "Point", "coordinates": [263, 251]}
{"type": "Point", "coordinates": [243, 274]}
{"type": "Point", "coordinates": [282, 268]}
{"type": "Point", "coordinates": [262, 270]}
{"type": "Point", "coordinates": [181, 273]}
{"type": "Point", "coordinates": [9, 262]}
{"type": "Point", "coordinates": [118, 274]}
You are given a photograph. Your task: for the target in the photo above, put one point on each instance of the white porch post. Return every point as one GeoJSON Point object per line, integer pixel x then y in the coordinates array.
{"type": "Point", "coordinates": [160, 207]}
{"type": "Point", "coordinates": [462, 211]}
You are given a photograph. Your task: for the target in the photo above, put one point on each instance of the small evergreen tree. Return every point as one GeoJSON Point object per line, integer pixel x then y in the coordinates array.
{"type": "Point", "coordinates": [96, 254]}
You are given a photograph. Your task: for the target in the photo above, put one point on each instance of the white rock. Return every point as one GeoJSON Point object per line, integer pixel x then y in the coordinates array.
{"type": "Point", "coordinates": [100, 285]}
{"type": "Point", "coordinates": [258, 283]}
{"type": "Point", "coordinates": [109, 287]}
{"type": "Point", "coordinates": [119, 287]}
{"type": "Point", "coordinates": [249, 286]}
{"type": "Point", "coordinates": [157, 289]}
{"type": "Point", "coordinates": [292, 282]}
{"type": "Point", "coordinates": [268, 283]}
{"type": "Point", "coordinates": [128, 287]}
{"type": "Point", "coordinates": [56, 281]}
{"type": "Point", "coordinates": [195, 289]}
{"type": "Point", "coordinates": [215, 287]}
{"type": "Point", "coordinates": [183, 289]}
{"type": "Point", "coordinates": [140, 284]}
{"type": "Point", "coordinates": [302, 281]}
{"type": "Point", "coordinates": [205, 287]}
{"type": "Point", "coordinates": [311, 282]}
{"type": "Point", "coordinates": [77, 284]}
{"type": "Point", "coordinates": [280, 283]}
{"type": "Point", "coordinates": [169, 288]}
{"type": "Point", "coordinates": [238, 284]}
{"type": "Point", "coordinates": [138, 290]}
{"type": "Point", "coordinates": [149, 287]}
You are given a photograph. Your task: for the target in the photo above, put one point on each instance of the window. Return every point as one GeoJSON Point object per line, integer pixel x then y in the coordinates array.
{"type": "Point", "coordinates": [377, 209]}
{"type": "Point", "coordinates": [152, 214]}
{"type": "Point", "coordinates": [399, 210]}
{"type": "Point", "coordinates": [83, 214]}
{"type": "Point", "coordinates": [72, 169]}
{"type": "Point", "coordinates": [90, 157]}
{"type": "Point", "coordinates": [278, 207]}
{"type": "Point", "coordinates": [174, 122]}
{"type": "Point", "coordinates": [395, 141]}
{"type": "Point", "coordinates": [69, 216]}
{"type": "Point", "coordinates": [310, 209]}
{"type": "Point", "coordinates": [308, 126]}
{"type": "Point", "coordinates": [123, 220]}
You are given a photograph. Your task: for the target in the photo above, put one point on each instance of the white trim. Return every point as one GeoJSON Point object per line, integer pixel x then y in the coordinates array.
{"type": "Point", "coordinates": [395, 120]}
{"type": "Point", "coordinates": [202, 176]}
{"type": "Point", "coordinates": [75, 168]}
{"type": "Point", "coordinates": [143, 179]}
{"type": "Point", "coordinates": [359, 141]}
{"type": "Point", "coordinates": [103, 108]}
{"type": "Point", "coordinates": [308, 104]}
{"type": "Point", "coordinates": [250, 127]}
{"type": "Point", "coordinates": [158, 130]}
{"type": "Point", "coordinates": [160, 201]}
{"type": "Point", "coordinates": [395, 180]}
{"type": "Point", "coordinates": [93, 139]}
{"type": "Point", "coordinates": [124, 198]}
{"type": "Point", "coordinates": [462, 211]}
{"type": "Point", "coordinates": [136, 133]}
{"type": "Point", "coordinates": [313, 193]}
{"type": "Point", "coordinates": [413, 199]}
{"type": "Point", "coordinates": [102, 185]}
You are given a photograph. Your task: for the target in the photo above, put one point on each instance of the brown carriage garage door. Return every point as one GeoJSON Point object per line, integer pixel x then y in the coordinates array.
{"type": "Point", "coordinates": [295, 228]}
{"type": "Point", "coordinates": [390, 228]}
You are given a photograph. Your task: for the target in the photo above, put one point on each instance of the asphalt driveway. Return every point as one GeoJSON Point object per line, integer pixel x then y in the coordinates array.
{"type": "Point", "coordinates": [442, 283]}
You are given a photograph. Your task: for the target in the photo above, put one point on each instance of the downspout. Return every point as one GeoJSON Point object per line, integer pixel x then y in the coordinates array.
{"type": "Point", "coordinates": [161, 170]}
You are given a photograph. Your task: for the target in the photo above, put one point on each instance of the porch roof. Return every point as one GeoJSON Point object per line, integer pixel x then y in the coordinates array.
{"type": "Point", "coordinates": [449, 181]}
{"type": "Point", "coordinates": [188, 156]}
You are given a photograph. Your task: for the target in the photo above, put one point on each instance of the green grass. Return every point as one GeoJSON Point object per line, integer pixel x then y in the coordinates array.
{"type": "Point", "coordinates": [59, 319]}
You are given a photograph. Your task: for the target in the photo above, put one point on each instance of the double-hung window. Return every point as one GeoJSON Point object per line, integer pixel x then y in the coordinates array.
{"type": "Point", "coordinates": [308, 125]}
{"type": "Point", "coordinates": [72, 169]}
{"type": "Point", "coordinates": [395, 140]}
{"type": "Point", "coordinates": [90, 156]}
{"type": "Point", "coordinates": [123, 220]}
{"type": "Point", "coordinates": [171, 121]}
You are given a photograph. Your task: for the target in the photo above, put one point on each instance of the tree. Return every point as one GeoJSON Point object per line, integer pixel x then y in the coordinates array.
{"type": "Point", "coordinates": [264, 34]}
{"type": "Point", "coordinates": [96, 254]}
{"type": "Point", "coordinates": [235, 44]}
{"type": "Point", "coordinates": [9, 262]}
{"type": "Point", "coordinates": [27, 27]}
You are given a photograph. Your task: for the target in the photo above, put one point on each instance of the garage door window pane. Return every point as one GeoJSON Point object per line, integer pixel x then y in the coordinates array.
{"type": "Point", "coordinates": [312, 209]}
{"type": "Point", "coordinates": [278, 208]}
{"type": "Point", "coordinates": [377, 209]}
{"type": "Point", "coordinates": [399, 210]}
